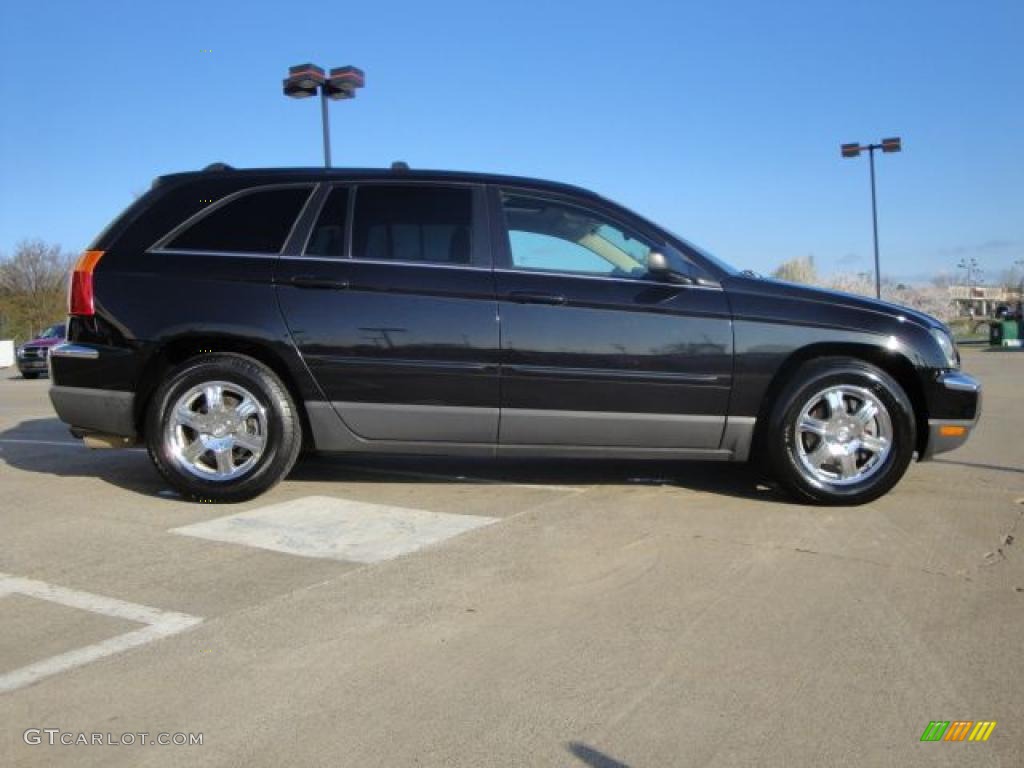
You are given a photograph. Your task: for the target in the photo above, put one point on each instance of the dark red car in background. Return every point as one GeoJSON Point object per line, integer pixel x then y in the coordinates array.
{"type": "Point", "coordinates": [32, 355]}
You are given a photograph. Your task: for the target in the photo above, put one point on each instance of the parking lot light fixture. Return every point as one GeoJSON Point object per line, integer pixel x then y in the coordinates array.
{"type": "Point", "coordinates": [303, 81]}
{"type": "Point", "coordinates": [974, 272]}
{"type": "Point", "coordinates": [893, 144]}
{"type": "Point", "coordinates": [306, 80]}
{"type": "Point", "coordinates": [1019, 263]}
{"type": "Point", "coordinates": [344, 82]}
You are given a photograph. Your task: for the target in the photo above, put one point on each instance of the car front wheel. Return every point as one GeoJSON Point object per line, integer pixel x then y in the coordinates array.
{"type": "Point", "coordinates": [223, 428]}
{"type": "Point", "coordinates": [841, 432]}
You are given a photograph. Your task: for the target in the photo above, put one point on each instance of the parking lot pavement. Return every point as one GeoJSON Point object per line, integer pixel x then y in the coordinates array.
{"type": "Point", "coordinates": [536, 613]}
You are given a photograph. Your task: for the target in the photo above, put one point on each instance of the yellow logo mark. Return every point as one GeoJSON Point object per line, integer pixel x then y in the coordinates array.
{"type": "Point", "coordinates": [982, 730]}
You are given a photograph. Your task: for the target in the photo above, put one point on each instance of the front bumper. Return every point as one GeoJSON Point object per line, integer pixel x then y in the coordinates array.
{"type": "Point", "coordinates": [32, 359]}
{"type": "Point", "coordinates": [947, 434]}
{"type": "Point", "coordinates": [32, 365]}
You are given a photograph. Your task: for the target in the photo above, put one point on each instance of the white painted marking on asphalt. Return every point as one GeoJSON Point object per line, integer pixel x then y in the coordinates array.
{"type": "Point", "coordinates": [159, 623]}
{"type": "Point", "coordinates": [61, 443]}
{"type": "Point", "coordinates": [64, 443]}
{"type": "Point", "coordinates": [337, 529]}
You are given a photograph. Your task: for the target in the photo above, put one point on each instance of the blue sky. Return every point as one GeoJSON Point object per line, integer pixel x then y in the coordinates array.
{"type": "Point", "coordinates": [721, 121]}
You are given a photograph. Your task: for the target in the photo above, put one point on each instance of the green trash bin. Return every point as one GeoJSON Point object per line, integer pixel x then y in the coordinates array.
{"type": "Point", "coordinates": [995, 334]}
{"type": "Point", "coordinates": [1011, 330]}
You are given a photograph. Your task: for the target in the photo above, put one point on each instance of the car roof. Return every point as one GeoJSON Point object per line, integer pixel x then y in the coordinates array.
{"type": "Point", "coordinates": [220, 171]}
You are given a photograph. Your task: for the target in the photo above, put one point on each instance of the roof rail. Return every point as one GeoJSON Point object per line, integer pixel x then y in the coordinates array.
{"type": "Point", "coordinates": [218, 167]}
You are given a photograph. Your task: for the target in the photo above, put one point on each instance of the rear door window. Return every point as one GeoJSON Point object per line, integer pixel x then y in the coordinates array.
{"type": "Point", "coordinates": [257, 221]}
{"type": "Point", "coordinates": [328, 236]}
{"type": "Point", "coordinates": [428, 223]}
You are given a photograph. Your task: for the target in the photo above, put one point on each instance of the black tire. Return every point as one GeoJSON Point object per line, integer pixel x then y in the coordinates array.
{"type": "Point", "coordinates": [281, 428]}
{"type": "Point", "coordinates": [29, 375]}
{"type": "Point", "coordinates": [784, 455]}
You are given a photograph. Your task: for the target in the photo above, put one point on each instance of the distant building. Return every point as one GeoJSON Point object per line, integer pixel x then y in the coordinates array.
{"type": "Point", "coordinates": [981, 300]}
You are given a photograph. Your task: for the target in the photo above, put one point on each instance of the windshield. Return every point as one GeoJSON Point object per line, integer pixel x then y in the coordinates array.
{"type": "Point", "coordinates": [53, 332]}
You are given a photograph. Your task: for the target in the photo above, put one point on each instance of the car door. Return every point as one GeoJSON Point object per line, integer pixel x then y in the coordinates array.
{"type": "Point", "coordinates": [594, 350]}
{"type": "Point", "coordinates": [391, 305]}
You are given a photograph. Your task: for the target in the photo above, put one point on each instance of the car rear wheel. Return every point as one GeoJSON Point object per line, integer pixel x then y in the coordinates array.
{"type": "Point", "coordinates": [841, 432]}
{"type": "Point", "coordinates": [223, 428]}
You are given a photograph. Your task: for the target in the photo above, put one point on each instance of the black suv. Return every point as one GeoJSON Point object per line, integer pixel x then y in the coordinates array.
{"type": "Point", "coordinates": [230, 318]}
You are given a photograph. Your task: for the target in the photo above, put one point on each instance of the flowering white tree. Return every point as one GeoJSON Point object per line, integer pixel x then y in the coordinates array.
{"type": "Point", "coordinates": [932, 299]}
{"type": "Point", "coordinates": [929, 299]}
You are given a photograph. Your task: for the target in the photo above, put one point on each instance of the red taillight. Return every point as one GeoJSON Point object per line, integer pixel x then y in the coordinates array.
{"type": "Point", "coordinates": [80, 296]}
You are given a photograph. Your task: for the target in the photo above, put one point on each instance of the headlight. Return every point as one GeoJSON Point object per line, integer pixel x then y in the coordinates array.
{"type": "Point", "coordinates": [20, 353]}
{"type": "Point", "coordinates": [948, 347]}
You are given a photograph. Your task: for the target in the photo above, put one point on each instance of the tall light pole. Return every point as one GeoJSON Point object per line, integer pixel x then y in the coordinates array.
{"type": "Point", "coordinates": [973, 272]}
{"type": "Point", "coordinates": [854, 150]}
{"type": "Point", "coordinates": [305, 80]}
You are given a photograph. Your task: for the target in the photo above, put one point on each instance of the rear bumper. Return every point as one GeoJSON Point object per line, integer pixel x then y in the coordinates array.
{"type": "Point", "coordinates": [86, 408]}
{"type": "Point", "coordinates": [947, 434]}
{"type": "Point", "coordinates": [95, 410]}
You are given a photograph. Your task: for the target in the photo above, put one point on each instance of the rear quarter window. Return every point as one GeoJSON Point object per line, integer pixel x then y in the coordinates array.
{"type": "Point", "coordinates": [162, 209]}
{"type": "Point", "coordinates": [256, 221]}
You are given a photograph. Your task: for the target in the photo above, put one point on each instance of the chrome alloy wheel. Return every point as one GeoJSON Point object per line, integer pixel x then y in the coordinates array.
{"type": "Point", "coordinates": [843, 435]}
{"type": "Point", "coordinates": [217, 431]}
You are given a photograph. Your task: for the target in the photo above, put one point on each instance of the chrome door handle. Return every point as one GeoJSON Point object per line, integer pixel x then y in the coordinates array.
{"type": "Point", "coordinates": [528, 297]}
{"type": "Point", "coordinates": [313, 281]}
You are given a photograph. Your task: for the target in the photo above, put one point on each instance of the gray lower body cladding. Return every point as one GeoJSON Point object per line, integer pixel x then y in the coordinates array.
{"type": "Point", "coordinates": [445, 430]}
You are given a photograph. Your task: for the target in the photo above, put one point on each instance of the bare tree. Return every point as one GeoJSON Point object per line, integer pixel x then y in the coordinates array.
{"type": "Point", "coordinates": [1011, 279]}
{"type": "Point", "coordinates": [33, 285]}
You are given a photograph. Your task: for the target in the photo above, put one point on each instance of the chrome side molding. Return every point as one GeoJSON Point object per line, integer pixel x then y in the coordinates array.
{"type": "Point", "coordinates": [76, 351]}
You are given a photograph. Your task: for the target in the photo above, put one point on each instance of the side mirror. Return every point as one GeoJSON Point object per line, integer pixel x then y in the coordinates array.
{"type": "Point", "coordinates": [658, 265]}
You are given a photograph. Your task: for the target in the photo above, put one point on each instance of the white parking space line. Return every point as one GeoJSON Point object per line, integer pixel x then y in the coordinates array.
{"type": "Point", "coordinates": [159, 624]}
{"type": "Point", "coordinates": [337, 529]}
{"type": "Point", "coordinates": [61, 443]}
{"type": "Point", "coordinates": [56, 443]}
